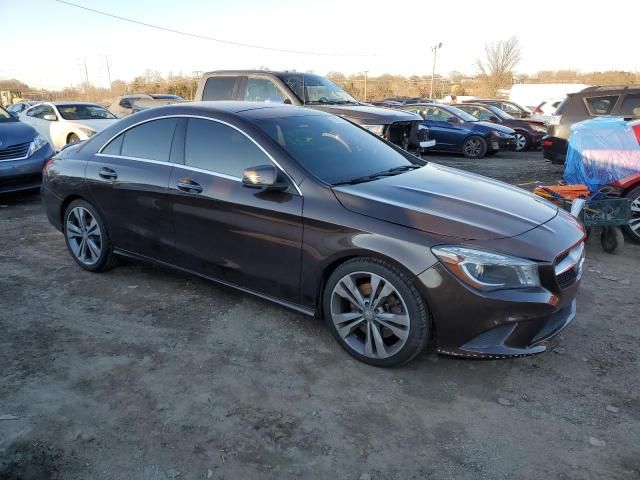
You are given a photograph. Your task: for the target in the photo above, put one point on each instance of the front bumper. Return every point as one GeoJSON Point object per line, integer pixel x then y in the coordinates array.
{"type": "Point", "coordinates": [26, 174]}
{"type": "Point", "coordinates": [499, 324]}
{"type": "Point", "coordinates": [505, 143]}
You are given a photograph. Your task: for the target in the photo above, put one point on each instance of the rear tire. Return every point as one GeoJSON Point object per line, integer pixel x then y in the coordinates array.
{"type": "Point", "coordinates": [633, 229]}
{"type": "Point", "coordinates": [375, 313]}
{"type": "Point", "coordinates": [474, 147]}
{"type": "Point", "coordinates": [87, 237]}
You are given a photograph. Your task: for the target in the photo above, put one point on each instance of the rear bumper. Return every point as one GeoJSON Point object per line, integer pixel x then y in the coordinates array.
{"type": "Point", "coordinates": [20, 175]}
{"type": "Point", "coordinates": [554, 149]}
{"type": "Point", "coordinates": [536, 139]}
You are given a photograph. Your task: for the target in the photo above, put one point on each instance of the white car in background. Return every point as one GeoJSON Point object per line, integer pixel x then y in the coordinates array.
{"type": "Point", "coordinates": [545, 110]}
{"type": "Point", "coordinates": [62, 123]}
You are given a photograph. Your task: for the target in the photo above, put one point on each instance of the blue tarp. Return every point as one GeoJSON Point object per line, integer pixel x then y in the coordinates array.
{"type": "Point", "coordinates": [601, 151]}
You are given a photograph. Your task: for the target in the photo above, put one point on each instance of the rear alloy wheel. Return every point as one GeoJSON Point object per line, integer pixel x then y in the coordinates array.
{"type": "Point", "coordinates": [375, 313]}
{"type": "Point", "coordinates": [86, 237]}
{"type": "Point", "coordinates": [522, 141]}
{"type": "Point", "coordinates": [633, 229]}
{"type": "Point", "coordinates": [474, 147]}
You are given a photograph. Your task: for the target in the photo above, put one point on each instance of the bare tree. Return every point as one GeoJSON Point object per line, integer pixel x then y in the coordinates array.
{"type": "Point", "coordinates": [496, 69]}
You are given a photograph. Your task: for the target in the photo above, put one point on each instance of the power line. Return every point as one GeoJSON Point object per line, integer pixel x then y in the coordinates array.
{"type": "Point", "coordinates": [212, 39]}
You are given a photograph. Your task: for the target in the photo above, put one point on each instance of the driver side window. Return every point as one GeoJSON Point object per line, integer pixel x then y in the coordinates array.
{"type": "Point", "coordinates": [262, 90]}
{"type": "Point", "coordinates": [436, 114]}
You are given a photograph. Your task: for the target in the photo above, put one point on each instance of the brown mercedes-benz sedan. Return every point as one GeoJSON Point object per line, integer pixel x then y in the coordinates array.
{"type": "Point", "coordinates": [315, 213]}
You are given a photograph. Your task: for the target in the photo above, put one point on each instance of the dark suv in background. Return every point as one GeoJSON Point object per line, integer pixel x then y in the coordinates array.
{"type": "Point", "coordinates": [588, 103]}
{"type": "Point", "coordinates": [317, 92]}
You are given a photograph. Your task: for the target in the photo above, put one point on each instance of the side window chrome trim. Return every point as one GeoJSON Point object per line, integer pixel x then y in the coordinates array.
{"type": "Point", "coordinates": [194, 168]}
{"type": "Point", "coordinates": [169, 164]}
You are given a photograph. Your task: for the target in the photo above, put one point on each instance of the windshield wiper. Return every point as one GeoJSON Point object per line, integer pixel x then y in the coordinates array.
{"type": "Point", "coordinates": [373, 176]}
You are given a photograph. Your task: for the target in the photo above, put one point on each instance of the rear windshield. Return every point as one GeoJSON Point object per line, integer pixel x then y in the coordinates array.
{"type": "Point", "coordinates": [84, 112]}
{"type": "Point", "coordinates": [601, 105]}
{"type": "Point", "coordinates": [331, 148]}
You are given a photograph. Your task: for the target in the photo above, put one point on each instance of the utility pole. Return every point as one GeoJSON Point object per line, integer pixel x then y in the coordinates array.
{"type": "Point", "coordinates": [434, 49]}
{"type": "Point", "coordinates": [366, 72]}
{"type": "Point", "coordinates": [106, 59]}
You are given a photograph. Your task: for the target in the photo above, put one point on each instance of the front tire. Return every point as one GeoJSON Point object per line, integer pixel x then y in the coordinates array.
{"type": "Point", "coordinates": [523, 141]}
{"type": "Point", "coordinates": [72, 138]}
{"type": "Point", "coordinates": [474, 147]}
{"type": "Point", "coordinates": [633, 229]}
{"type": "Point", "coordinates": [86, 237]}
{"type": "Point", "coordinates": [375, 313]}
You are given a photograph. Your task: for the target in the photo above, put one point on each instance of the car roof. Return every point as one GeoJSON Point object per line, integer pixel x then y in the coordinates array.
{"type": "Point", "coordinates": [265, 72]}
{"type": "Point", "coordinates": [610, 89]}
{"type": "Point", "coordinates": [246, 109]}
{"type": "Point", "coordinates": [60, 102]}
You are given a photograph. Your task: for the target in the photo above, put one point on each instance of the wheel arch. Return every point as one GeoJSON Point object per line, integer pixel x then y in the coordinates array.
{"type": "Point", "coordinates": [344, 257]}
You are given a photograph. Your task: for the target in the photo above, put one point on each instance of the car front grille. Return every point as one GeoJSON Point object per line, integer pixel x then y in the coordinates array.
{"type": "Point", "coordinates": [568, 266]}
{"type": "Point", "coordinates": [14, 152]}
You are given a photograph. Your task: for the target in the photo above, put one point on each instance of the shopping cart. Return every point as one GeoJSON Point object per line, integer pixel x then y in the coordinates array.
{"type": "Point", "coordinates": [600, 209]}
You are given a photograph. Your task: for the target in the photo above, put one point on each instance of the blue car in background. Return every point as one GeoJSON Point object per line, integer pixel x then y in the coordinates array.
{"type": "Point", "coordinates": [457, 131]}
{"type": "Point", "coordinates": [23, 153]}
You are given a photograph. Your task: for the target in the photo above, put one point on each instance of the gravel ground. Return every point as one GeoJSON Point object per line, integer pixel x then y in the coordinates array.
{"type": "Point", "coordinates": [145, 373]}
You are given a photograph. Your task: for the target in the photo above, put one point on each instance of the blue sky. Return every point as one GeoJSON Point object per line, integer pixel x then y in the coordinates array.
{"type": "Point", "coordinates": [44, 43]}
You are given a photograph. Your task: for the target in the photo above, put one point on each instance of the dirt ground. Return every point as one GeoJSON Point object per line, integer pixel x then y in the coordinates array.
{"type": "Point", "coordinates": [145, 373]}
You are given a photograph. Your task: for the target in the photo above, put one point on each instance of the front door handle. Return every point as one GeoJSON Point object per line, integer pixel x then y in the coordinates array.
{"type": "Point", "coordinates": [189, 186]}
{"type": "Point", "coordinates": [108, 173]}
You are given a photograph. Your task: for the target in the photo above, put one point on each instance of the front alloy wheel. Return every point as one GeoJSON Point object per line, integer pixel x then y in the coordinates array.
{"type": "Point", "coordinates": [633, 229]}
{"type": "Point", "coordinates": [474, 147]}
{"type": "Point", "coordinates": [375, 313]}
{"type": "Point", "coordinates": [522, 141]}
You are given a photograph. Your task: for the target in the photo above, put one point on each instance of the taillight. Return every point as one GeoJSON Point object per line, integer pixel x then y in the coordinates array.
{"type": "Point", "coordinates": [538, 111]}
{"type": "Point", "coordinates": [547, 143]}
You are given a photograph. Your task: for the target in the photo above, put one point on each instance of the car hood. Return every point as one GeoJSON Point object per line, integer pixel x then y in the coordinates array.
{"type": "Point", "coordinates": [495, 126]}
{"type": "Point", "coordinates": [15, 133]}
{"type": "Point", "coordinates": [97, 124]}
{"type": "Point", "coordinates": [448, 202]}
{"type": "Point", "coordinates": [367, 115]}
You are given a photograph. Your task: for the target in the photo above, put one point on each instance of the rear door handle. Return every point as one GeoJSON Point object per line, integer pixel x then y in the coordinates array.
{"type": "Point", "coordinates": [189, 186]}
{"type": "Point", "coordinates": [108, 173]}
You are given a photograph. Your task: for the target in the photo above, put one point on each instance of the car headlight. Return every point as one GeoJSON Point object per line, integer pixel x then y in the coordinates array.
{"type": "Point", "coordinates": [377, 129]}
{"type": "Point", "coordinates": [501, 134]}
{"type": "Point", "coordinates": [36, 144]}
{"type": "Point", "coordinates": [486, 270]}
{"type": "Point", "coordinates": [87, 131]}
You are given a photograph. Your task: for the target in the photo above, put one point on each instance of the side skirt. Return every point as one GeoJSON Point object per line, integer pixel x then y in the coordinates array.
{"type": "Point", "coordinates": [293, 306]}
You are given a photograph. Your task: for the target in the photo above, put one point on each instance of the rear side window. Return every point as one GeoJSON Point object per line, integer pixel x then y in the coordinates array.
{"type": "Point", "coordinates": [601, 105]}
{"type": "Point", "coordinates": [219, 88]}
{"type": "Point", "coordinates": [562, 106]}
{"type": "Point", "coordinates": [219, 148]}
{"type": "Point", "coordinates": [262, 90]}
{"type": "Point", "coordinates": [630, 105]}
{"type": "Point", "coordinates": [151, 140]}
{"type": "Point", "coordinates": [114, 146]}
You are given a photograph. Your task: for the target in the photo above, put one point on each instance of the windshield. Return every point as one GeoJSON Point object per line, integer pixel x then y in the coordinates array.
{"type": "Point", "coordinates": [6, 116]}
{"type": "Point", "coordinates": [84, 112]}
{"type": "Point", "coordinates": [500, 113]}
{"type": "Point", "coordinates": [462, 114]}
{"type": "Point", "coordinates": [162, 96]}
{"type": "Point", "coordinates": [317, 90]}
{"type": "Point", "coordinates": [332, 149]}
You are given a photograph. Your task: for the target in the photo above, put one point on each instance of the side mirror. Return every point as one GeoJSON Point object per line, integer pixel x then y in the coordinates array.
{"type": "Point", "coordinates": [494, 119]}
{"type": "Point", "coordinates": [453, 119]}
{"type": "Point", "coordinates": [49, 117]}
{"type": "Point", "coordinates": [264, 177]}
{"type": "Point", "coordinates": [287, 101]}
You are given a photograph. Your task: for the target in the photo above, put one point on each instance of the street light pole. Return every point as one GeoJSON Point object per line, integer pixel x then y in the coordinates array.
{"type": "Point", "coordinates": [434, 49]}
